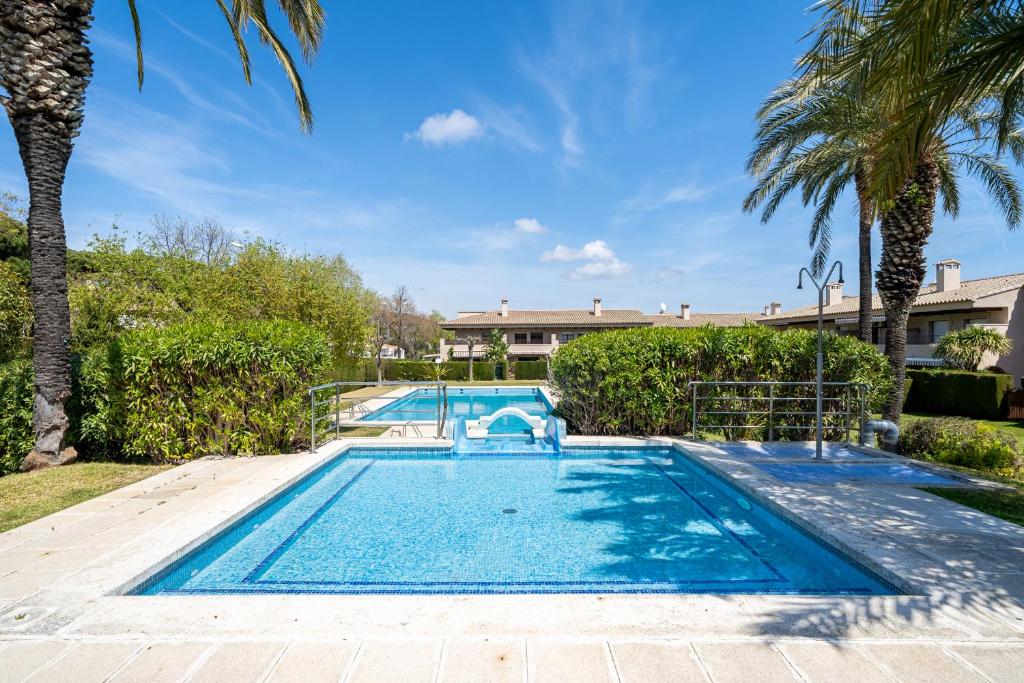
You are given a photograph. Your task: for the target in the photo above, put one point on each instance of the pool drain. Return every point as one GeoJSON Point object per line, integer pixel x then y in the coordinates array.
{"type": "Point", "coordinates": [509, 511]}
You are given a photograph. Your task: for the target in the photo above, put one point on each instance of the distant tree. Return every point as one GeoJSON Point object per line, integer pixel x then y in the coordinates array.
{"type": "Point", "coordinates": [204, 240]}
{"type": "Point", "coordinates": [380, 332]}
{"type": "Point", "coordinates": [967, 348]}
{"type": "Point", "coordinates": [403, 309]}
{"type": "Point", "coordinates": [470, 340]}
{"type": "Point", "coordinates": [497, 346]}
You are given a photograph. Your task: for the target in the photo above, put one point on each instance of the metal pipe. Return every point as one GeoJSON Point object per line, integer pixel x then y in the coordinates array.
{"type": "Point", "coordinates": [819, 358]}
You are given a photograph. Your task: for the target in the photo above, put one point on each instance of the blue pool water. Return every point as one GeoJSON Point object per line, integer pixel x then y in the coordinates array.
{"type": "Point", "coordinates": [421, 405]}
{"type": "Point", "coordinates": [590, 520]}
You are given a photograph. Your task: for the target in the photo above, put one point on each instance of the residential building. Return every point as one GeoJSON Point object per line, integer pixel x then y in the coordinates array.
{"type": "Point", "coordinates": [536, 334]}
{"type": "Point", "coordinates": [943, 306]}
{"type": "Point", "coordinates": [390, 352]}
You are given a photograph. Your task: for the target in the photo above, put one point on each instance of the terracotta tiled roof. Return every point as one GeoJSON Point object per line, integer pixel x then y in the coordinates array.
{"type": "Point", "coordinates": [968, 292]}
{"type": "Point", "coordinates": [571, 317]}
{"type": "Point", "coordinates": [698, 319]}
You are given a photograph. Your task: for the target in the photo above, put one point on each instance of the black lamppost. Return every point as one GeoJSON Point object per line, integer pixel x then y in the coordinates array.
{"type": "Point", "coordinates": [820, 359]}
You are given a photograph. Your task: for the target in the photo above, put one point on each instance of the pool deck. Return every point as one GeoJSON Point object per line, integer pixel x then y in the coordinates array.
{"type": "Point", "coordinates": [62, 618]}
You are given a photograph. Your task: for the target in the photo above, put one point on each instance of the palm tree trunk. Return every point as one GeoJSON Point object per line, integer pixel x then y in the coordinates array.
{"type": "Point", "coordinates": [45, 66]}
{"type": "Point", "coordinates": [866, 220]}
{"type": "Point", "coordinates": [906, 228]}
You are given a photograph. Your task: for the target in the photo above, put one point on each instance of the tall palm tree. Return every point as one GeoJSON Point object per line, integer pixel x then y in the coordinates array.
{"type": "Point", "coordinates": [45, 68]}
{"type": "Point", "coordinates": [820, 140]}
{"type": "Point", "coordinates": [962, 144]}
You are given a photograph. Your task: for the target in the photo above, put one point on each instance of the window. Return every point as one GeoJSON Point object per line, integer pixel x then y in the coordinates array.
{"type": "Point", "coordinates": [940, 328]}
{"type": "Point", "coordinates": [520, 338]}
{"type": "Point", "coordinates": [566, 337]}
{"type": "Point", "coordinates": [536, 337]}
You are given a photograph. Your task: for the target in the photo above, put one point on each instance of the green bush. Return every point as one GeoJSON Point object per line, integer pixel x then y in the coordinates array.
{"type": "Point", "coordinates": [197, 389]}
{"type": "Point", "coordinates": [958, 441]}
{"type": "Point", "coordinates": [959, 392]}
{"type": "Point", "coordinates": [15, 414]}
{"type": "Point", "coordinates": [424, 370]}
{"type": "Point", "coordinates": [634, 381]}
{"type": "Point", "coordinates": [531, 369]}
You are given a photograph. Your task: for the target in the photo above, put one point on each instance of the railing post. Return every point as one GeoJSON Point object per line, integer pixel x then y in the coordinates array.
{"type": "Point", "coordinates": [693, 420]}
{"type": "Point", "coordinates": [337, 411]}
{"type": "Point", "coordinates": [849, 414]}
{"type": "Point", "coordinates": [312, 421]}
{"type": "Point", "coordinates": [771, 412]}
{"type": "Point", "coordinates": [863, 413]}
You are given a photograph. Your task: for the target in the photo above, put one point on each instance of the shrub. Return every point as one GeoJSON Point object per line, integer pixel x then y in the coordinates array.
{"type": "Point", "coordinates": [967, 348]}
{"type": "Point", "coordinates": [959, 392]}
{"type": "Point", "coordinates": [198, 389]}
{"type": "Point", "coordinates": [15, 413]}
{"type": "Point", "coordinates": [423, 370]}
{"type": "Point", "coordinates": [531, 369]}
{"type": "Point", "coordinates": [634, 381]}
{"type": "Point", "coordinates": [958, 441]}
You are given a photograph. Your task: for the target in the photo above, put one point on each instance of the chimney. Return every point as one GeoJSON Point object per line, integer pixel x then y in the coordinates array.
{"type": "Point", "coordinates": [684, 311]}
{"type": "Point", "coordinates": [833, 293]}
{"type": "Point", "coordinates": [597, 307]}
{"type": "Point", "coordinates": [504, 308]}
{"type": "Point", "coordinates": [947, 275]}
{"type": "Point", "coordinates": [765, 312]}
{"type": "Point", "coordinates": [774, 308]}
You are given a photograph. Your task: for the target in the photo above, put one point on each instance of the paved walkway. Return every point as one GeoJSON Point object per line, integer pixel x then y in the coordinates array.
{"type": "Point", "coordinates": [63, 615]}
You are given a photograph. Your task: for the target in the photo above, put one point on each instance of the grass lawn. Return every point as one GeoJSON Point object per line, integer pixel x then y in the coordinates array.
{"type": "Point", "coordinates": [1008, 505]}
{"type": "Point", "coordinates": [362, 431]}
{"type": "Point", "coordinates": [1012, 427]}
{"type": "Point", "coordinates": [29, 496]}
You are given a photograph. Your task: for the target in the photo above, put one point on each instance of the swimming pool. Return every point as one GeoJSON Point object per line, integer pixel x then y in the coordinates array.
{"type": "Point", "coordinates": [591, 520]}
{"type": "Point", "coordinates": [421, 404]}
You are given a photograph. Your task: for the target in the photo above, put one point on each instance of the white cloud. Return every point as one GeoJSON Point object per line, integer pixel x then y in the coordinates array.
{"type": "Point", "coordinates": [601, 261]}
{"type": "Point", "coordinates": [647, 202]}
{"type": "Point", "coordinates": [530, 225]}
{"type": "Point", "coordinates": [448, 129]}
{"type": "Point", "coordinates": [597, 270]}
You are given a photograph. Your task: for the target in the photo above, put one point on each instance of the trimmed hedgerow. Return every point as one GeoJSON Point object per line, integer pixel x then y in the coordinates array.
{"type": "Point", "coordinates": [531, 369]}
{"type": "Point", "coordinates": [634, 381]}
{"type": "Point", "coordinates": [197, 389]}
{"type": "Point", "coordinates": [959, 392]}
{"type": "Point", "coordinates": [424, 370]}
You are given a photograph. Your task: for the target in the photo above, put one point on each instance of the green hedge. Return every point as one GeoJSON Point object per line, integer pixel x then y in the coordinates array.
{"type": "Point", "coordinates": [198, 389]}
{"type": "Point", "coordinates": [15, 413]}
{"type": "Point", "coordinates": [424, 370]}
{"type": "Point", "coordinates": [635, 381]}
{"type": "Point", "coordinates": [531, 369]}
{"type": "Point", "coordinates": [959, 392]}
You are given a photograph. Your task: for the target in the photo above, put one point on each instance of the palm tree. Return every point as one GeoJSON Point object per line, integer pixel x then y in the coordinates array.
{"type": "Point", "coordinates": [932, 59]}
{"type": "Point", "coordinates": [962, 144]}
{"type": "Point", "coordinates": [904, 62]}
{"type": "Point", "coordinates": [967, 348]}
{"type": "Point", "coordinates": [45, 68]}
{"type": "Point", "coordinates": [818, 139]}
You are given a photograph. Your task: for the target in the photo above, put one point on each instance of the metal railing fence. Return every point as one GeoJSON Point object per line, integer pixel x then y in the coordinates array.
{"type": "Point", "coordinates": [325, 403]}
{"type": "Point", "coordinates": [768, 410]}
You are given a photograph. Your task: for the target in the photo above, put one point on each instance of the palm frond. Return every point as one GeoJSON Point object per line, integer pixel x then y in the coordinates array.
{"type": "Point", "coordinates": [137, 31]}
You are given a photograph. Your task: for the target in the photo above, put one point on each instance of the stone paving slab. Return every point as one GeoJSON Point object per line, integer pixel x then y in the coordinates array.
{"type": "Point", "coordinates": [824, 660]}
{"type": "Point", "coordinates": [162, 661]}
{"type": "Point", "coordinates": [656, 662]}
{"type": "Point", "coordinates": [414, 662]}
{"type": "Point", "coordinates": [744, 662]}
{"type": "Point", "coordinates": [86, 663]}
{"type": "Point", "coordinates": [314, 662]}
{"type": "Point", "coordinates": [495, 661]}
{"type": "Point", "coordinates": [913, 662]}
{"type": "Point", "coordinates": [567, 662]}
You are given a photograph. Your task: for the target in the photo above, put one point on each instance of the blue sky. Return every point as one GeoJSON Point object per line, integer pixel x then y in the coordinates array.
{"type": "Point", "coordinates": [547, 152]}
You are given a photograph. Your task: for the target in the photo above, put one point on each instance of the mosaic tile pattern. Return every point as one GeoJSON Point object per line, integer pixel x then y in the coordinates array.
{"type": "Point", "coordinates": [626, 520]}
